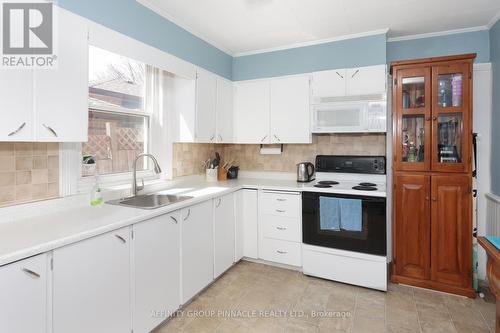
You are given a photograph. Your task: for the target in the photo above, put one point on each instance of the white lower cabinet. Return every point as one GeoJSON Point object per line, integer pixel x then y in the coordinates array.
{"type": "Point", "coordinates": [91, 285]}
{"type": "Point", "coordinates": [223, 234]}
{"type": "Point", "coordinates": [23, 296]}
{"type": "Point", "coordinates": [280, 227]}
{"type": "Point", "coordinates": [247, 237]}
{"type": "Point", "coordinates": [197, 249]}
{"type": "Point", "coordinates": [156, 271]}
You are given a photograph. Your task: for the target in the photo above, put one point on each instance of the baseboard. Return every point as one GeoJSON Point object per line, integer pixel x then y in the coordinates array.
{"type": "Point", "coordinates": [427, 284]}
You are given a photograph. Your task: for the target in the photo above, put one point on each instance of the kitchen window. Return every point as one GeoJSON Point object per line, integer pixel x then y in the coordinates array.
{"type": "Point", "coordinates": [119, 122]}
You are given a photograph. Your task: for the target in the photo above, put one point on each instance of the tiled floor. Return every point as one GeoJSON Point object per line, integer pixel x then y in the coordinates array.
{"type": "Point", "coordinates": [269, 299]}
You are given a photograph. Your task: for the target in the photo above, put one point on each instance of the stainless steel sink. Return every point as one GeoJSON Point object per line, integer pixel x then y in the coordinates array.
{"type": "Point", "coordinates": [149, 201]}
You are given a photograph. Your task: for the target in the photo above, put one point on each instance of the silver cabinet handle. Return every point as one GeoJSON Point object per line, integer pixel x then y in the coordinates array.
{"type": "Point", "coordinates": [281, 252]}
{"type": "Point", "coordinates": [280, 210]}
{"type": "Point", "coordinates": [281, 199]}
{"type": "Point", "coordinates": [31, 273]}
{"type": "Point", "coordinates": [263, 138]}
{"type": "Point", "coordinates": [187, 216]}
{"type": "Point", "coordinates": [174, 219]}
{"type": "Point", "coordinates": [339, 75]}
{"type": "Point", "coordinates": [121, 239]}
{"type": "Point", "coordinates": [50, 129]}
{"type": "Point", "coordinates": [281, 228]}
{"type": "Point", "coordinates": [354, 74]}
{"type": "Point", "coordinates": [17, 130]}
{"type": "Point", "coordinates": [276, 137]}
{"type": "Point", "coordinates": [218, 203]}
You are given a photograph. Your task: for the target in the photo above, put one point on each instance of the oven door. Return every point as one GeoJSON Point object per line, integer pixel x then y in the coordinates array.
{"type": "Point", "coordinates": [368, 237]}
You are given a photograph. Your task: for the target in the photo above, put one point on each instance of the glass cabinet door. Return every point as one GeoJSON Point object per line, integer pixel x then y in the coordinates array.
{"type": "Point", "coordinates": [413, 115]}
{"type": "Point", "coordinates": [450, 118]}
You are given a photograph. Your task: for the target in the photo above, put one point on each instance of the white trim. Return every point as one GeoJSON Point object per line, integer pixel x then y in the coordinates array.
{"type": "Point", "coordinates": [493, 197]}
{"type": "Point", "coordinates": [493, 20]}
{"type": "Point", "coordinates": [313, 42]}
{"type": "Point", "coordinates": [437, 34]}
{"type": "Point", "coordinates": [124, 45]}
{"type": "Point", "coordinates": [183, 25]}
{"type": "Point", "coordinates": [483, 66]}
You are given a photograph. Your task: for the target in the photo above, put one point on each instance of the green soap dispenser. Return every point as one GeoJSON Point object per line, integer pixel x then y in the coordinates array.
{"type": "Point", "coordinates": [96, 194]}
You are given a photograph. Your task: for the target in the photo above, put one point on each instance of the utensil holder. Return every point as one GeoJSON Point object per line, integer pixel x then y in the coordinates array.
{"type": "Point", "coordinates": [222, 174]}
{"type": "Point", "coordinates": [211, 175]}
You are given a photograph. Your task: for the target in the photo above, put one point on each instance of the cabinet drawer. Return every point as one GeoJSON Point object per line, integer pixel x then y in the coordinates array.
{"type": "Point", "coordinates": [281, 227]}
{"type": "Point", "coordinates": [281, 204]}
{"type": "Point", "coordinates": [283, 252]}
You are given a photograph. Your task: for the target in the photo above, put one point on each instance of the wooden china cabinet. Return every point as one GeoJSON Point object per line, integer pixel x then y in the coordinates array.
{"type": "Point", "coordinates": [432, 199]}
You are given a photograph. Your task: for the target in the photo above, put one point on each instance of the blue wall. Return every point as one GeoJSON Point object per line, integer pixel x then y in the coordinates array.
{"type": "Point", "coordinates": [495, 123]}
{"type": "Point", "coordinates": [363, 51]}
{"type": "Point", "coordinates": [469, 42]}
{"type": "Point", "coordinates": [132, 19]}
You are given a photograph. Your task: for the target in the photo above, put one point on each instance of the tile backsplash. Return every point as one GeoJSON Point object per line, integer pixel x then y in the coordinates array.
{"type": "Point", "coordinates": [28, 172]}
{"type": "Point", "coordinates": [188, 157]}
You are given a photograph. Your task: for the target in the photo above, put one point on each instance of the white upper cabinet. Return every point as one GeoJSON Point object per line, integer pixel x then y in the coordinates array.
{"type": "Point", "coordinates": [224, 235]}
{"type": "Point", "coordinates": [206, 100]}
{"type": "Point", "coordinates": [225, 124]}
{"type": "Point", "coordinates": [50, 104]}
{"type": "Point", "coordinates": [252, 112]}
{"type": "Point", "coordinates": [16, 105]}
{"type": "Point", "coordinates": [349, 82]}
{"type": "Point", "coordinates": [290, 116]}
{"type": "Point", "coordinates": [197, 243]}
{"type": "Point", "coordinates": [366, 80]}
{"type": "Point", "coordinates": [273, 111]}
{"type": "Point", "coordinates": [61, 94]}
{"type": "Point", "coordinates": [156, 260]}
{"type": "Point", "coordinates": [91, 288]}
{"type": "Point", "coordinates": [329, 83]}
{"type": "Point", "coordinates": [24, 296]}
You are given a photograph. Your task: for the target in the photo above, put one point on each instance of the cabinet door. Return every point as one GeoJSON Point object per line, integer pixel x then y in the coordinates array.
{"type": "Point", "coordinates": [412, 129]}
{"type": "Point", "coordinates": [412, 226]}
{"type": "Point", "coordinates": [290, 116]}
{"type": "Point", "coordinates": [223, 234]}
{"type": "Point", "coordinates": [62, 94]}
{"type": "Point", "coordinates": [451, 118]}
{"type": "Point", "coordinates": [252, 112]}
{"type": "Point", "coordinates": [23, 304]}
{"type": "Point", "coordinates": [156, 273]}
{"type": "Point", "coordinates": [451, 229]}
{"type": "Point", "coordinates": [197, 254]}
{"type": "Point", "coordinates": [366, 80]}
{"type": "Point", "coordinates": [91, 289]}
{"type": "Point", "coordinates": [225, 132]}
{"type": "Point", "coordinates": [329, 83]}
{"type": "Point", "coordinates": [247, 220]}
{"type": "Point", "coordinates": [16, 105]}
{"type": "Point", "coordinates": [206, 97]}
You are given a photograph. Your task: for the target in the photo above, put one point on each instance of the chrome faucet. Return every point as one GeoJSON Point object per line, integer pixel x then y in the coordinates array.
{"type": "Point", "coordinates": [157, 169]}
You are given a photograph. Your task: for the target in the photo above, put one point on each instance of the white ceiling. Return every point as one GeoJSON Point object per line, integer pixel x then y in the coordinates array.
{"type": "Point", "coordinates": [248, 26]}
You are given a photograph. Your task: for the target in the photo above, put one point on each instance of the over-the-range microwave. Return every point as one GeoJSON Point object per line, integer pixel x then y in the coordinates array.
{"type": "Point", "coordinates": [350, 116]}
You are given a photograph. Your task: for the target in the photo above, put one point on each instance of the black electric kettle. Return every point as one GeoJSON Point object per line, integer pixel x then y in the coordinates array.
{"type": "Point", "coordinates": [305, 172]}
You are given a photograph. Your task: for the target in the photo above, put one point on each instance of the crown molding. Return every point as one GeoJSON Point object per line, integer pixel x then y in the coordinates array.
{"type": "Point", "coordinates": [493, 20]}
{"type": "Point", "coordinates": [180, 23]}
{"type": "Point", "coordinates": [437, 34]}
{"type": "Point", "coordinates": [313, 42]}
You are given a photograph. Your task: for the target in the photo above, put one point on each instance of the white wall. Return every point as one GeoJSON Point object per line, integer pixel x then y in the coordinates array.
{"type": "Point", "coordinates": [482, 96]}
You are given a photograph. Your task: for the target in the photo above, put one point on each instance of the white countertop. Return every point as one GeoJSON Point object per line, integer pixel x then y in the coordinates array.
{"type": "Point", "coordinates": [29, 230]}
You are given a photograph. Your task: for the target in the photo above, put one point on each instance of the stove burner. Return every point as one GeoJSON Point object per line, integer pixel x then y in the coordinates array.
{"type": "Point", "coordinates": [328, 182]}
{"type": "Point", "coordinates": [322, 185]}
{"type": "Point", "coordinates": [364, 188]}
{"type": "Point", "coordinates": [367, 184]}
